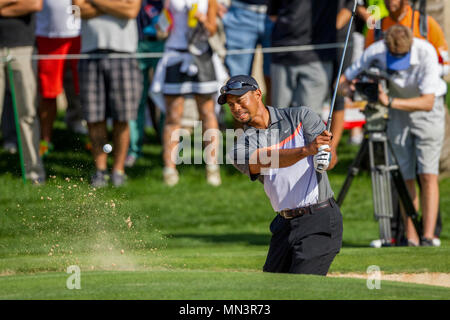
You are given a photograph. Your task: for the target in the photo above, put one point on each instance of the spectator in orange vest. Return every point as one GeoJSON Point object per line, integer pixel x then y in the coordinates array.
{"type": "Point", "coordinates": [400, 12]}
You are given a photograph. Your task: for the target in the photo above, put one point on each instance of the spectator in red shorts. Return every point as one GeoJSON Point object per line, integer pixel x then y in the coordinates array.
{"type": "Point", "coordinates": [57, 33]}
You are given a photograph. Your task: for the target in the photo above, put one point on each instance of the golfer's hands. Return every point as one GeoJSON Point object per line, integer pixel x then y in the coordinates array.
{"type": "Point", "coordinates": [321, 151]}
{"type": "Point", "coordinates": [322, 159]}
{"type": "Point", "coordinates": [322, 139]}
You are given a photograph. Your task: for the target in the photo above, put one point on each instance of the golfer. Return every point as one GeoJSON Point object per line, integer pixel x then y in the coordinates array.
{"type": "Point", "coordinates": [288, 151]}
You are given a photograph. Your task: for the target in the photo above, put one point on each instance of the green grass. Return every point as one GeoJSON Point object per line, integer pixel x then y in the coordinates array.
{"type": "Point", "coordinates": [187, 242]}
{"type": "Point", "coordinates": [207, 285]}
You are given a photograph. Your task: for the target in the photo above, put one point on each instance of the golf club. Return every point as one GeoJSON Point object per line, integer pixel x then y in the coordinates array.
{"type": "Point", "coordinates": [333, 101]}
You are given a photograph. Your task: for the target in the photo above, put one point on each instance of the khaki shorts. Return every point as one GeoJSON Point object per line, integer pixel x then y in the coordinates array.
{"type": "Point", "coordinates": [417, 139]}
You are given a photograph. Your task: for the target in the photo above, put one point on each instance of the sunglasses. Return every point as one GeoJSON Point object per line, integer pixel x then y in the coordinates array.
{"type": "Point", "coordinates": [235, 86]}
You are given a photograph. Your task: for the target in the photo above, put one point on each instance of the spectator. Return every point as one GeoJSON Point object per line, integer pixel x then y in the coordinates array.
{"type": "Point", "coordinates": [74, 113]}
{"type": "Point", "coordinates": [148, 42]}
{"type": "Point", "coordinates": [424, 27]}
{"type": "Point", "coordinates": [416, 115]}
{"type": "Point", "coordinates": [367, 12]}
{"type": "Point", "coordinates": [17, 23]}
{"type": "Point", "coordinates": [188, 67]}
{"type": "Point", "coordinates": [58, 33]}
{"type": "Point", "coordinates": [109, 87]}
{"type": "Point", "coordinates": [400, 12]}
{"type": "Point", "coordinates": [246, 25]}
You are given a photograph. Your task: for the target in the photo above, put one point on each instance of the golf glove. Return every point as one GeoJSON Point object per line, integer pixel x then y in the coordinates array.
{"type": "Point", "coordinates": [322, 159]}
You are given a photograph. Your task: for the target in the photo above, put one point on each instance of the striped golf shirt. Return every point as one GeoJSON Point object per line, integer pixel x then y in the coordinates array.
{"type": "Point", "coordinates": [295, 186]}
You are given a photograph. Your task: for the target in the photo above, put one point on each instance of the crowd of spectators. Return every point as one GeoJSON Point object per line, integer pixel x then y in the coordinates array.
{"type": "Point", "coordinates": [101, 88]}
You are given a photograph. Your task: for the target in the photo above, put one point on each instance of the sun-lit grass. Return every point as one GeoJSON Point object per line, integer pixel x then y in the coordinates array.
{"type": "Point", "coordinates": [188, 233]}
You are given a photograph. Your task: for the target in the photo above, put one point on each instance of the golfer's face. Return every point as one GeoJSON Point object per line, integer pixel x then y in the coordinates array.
{"type": "Point", "coordinates": [243, 108]}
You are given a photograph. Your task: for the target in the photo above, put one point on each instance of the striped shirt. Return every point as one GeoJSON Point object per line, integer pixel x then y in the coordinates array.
{"type": "Point", "coordinates": [295, 186]}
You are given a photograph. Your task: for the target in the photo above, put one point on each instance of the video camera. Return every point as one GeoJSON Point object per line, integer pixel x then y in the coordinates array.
{"type": "Point", "coordinates": [367, 85]}
{"type": "Point", "coordinates": [366, 91]}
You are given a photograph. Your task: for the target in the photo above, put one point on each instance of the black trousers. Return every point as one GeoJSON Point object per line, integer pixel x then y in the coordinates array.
{"type": "Point", "coordinates": [306, 244]}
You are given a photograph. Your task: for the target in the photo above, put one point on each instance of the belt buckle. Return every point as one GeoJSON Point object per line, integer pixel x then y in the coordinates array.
{"type": "Point", "coordinates": [284, 214]}
{"type": "Point", "coordinates": [293, 213]}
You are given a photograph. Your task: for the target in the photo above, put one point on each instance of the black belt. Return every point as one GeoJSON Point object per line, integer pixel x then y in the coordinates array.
{"type": "Point", "coordinates": [301, 211]}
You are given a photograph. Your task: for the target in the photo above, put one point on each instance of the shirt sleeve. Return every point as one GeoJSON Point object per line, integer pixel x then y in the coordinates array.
{"type": "Point", "coordinates": [430, 75]}
{"type": "Point", "coordinates": [242, 150]}
{"type": "Point", "coordinates": [312, 124]}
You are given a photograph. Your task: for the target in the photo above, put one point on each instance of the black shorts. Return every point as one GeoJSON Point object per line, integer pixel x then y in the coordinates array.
{"type": "Point", "coordinates": [306, 244]}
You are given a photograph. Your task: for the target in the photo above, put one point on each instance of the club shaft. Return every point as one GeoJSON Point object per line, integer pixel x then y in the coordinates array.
{"type": "Point", "coordinates": [333, 101]}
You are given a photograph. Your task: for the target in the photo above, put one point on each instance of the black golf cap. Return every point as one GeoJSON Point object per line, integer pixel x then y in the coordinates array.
{"type": "Point", "coordinates": [247, 84]}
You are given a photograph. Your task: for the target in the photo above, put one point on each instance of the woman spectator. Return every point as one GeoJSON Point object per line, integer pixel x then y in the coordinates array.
{"type": "Point", "coordinates": [187, 68]}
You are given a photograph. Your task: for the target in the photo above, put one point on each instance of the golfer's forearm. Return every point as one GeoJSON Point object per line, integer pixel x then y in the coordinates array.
{"type": "Point", "coordinates": [124, 9]}
{"type": "Point", "coordinates": [267, 158]}
{"type": "Point", "coordinates": [20, 7]}
{"type": "Point", "coordinates": [422, 103]}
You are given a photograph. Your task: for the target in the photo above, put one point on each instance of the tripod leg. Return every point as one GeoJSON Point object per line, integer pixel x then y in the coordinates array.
{"type": "Point", "coordinates": [381, 185]}
{"type": "Point", "coordinates": [352, 172]}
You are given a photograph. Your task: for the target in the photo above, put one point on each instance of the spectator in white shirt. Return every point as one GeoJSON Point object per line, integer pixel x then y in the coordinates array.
{"type": "Point", "coordinates": [416, 115]}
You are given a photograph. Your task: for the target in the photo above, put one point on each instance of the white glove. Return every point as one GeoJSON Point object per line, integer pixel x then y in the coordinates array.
{"type": "Point", "coordinates": [322, 159]}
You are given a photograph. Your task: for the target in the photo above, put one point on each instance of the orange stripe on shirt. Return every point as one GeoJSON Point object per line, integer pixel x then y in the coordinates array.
{"type": "Point", "coordinates": [292, 136]}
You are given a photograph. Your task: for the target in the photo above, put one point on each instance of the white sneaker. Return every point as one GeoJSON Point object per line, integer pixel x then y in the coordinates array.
{"type": "Point", "coordinates": [170, 176]}
{"type": "Point", "coordinates": [213, 175]}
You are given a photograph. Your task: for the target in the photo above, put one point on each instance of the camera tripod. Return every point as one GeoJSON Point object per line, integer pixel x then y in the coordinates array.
{"type": "Point", "coordinates": [384, 170]}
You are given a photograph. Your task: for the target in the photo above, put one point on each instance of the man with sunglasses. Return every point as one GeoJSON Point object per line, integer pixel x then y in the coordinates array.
{"type": "Point", "coordinates": [288, 151]}
{"type": "Point", "coordinates": [416, 115]}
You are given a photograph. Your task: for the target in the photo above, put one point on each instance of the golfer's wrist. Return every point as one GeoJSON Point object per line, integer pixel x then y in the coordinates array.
{"type": "Point", "coordinates": [307, 151]}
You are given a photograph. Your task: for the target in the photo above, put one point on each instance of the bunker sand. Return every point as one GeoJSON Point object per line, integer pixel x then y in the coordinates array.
{"type": "Point", "coordinates": [428, 278]}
